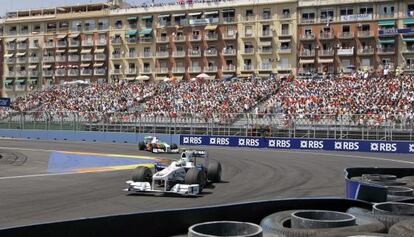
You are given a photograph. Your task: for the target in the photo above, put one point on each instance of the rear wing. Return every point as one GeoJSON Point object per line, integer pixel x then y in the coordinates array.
{"type": "Point", "coordinates": [195, 153]}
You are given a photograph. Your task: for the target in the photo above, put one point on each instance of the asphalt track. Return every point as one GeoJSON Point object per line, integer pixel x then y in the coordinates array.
{"type": "Point", "coordinates": [29, 195]}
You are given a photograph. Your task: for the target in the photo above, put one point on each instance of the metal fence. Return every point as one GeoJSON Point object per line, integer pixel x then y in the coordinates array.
{"type": "Point", "coordinates": [373, 127]}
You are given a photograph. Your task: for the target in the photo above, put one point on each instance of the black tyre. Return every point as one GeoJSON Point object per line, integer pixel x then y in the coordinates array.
{"type": "Point", "coordinates": [196, 176]}
{"type": "Point", "coordinates": [174, 146]}
{"type": "Point", "coordinates": [141, 146]}
{"type": "Point", "coordinates": [279, 223]}
{"type": "Point", "coordinates": [403, 229]}
{"type": "Point", "coordinates": [214, 171]}
{"type": "Point", "coordinates": [387, 220]}
{"type": "Point", "coordinates": [142, 174]}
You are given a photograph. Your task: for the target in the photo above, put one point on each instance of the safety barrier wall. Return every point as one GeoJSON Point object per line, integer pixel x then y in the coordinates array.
{"type": "Point", "coordinates": [301, 144]}
{"type": "Point", "coordinates": [174, 222]}
{"type": "Point", "coordinates": [117, 137]}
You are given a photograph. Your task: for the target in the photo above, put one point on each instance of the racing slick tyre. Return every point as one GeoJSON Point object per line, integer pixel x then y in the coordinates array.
{"type": "Point", "coordinates": [214, 171]}
{"type": "Point", "coordinates": [280, 223]}
{"type": "Point", "coordinates": [141, 146]}
{"type": "Point", "coordinates": [403, 229]}
{"type": "Point", "coordinates": [142, 174]}
{"type": "Point", "coordinates": [174, 146]}
{"type": "Point", "coordinates": [196, 176]}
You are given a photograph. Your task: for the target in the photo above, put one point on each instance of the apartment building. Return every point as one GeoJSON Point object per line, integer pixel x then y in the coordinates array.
{"type": "Point", "coordinates": [54, 45]}
{"type": "Point", "coordinates": [343, 36]}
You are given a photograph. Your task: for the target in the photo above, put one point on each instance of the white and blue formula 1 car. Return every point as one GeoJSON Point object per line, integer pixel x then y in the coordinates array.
{"type": "Point", "coordinates": [186, 176]}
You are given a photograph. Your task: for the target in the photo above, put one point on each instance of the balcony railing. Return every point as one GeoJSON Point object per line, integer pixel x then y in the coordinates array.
{"type": "Point", "coordinates": [147, 54]}
{"type": "Point", "coordinates": [21, 73]}
{"type": "Point", "coordinates": [366, 51]}
{"type": "Point", "coordinates": [22, 46]}
{"type": "Point", "coordinates": [178, 70]}
{"type": "Point", "coordinates": [163, 39]}
{"type": "Point", "coordinates": [194, 69]}
{"type": "Point", "coordinates": [61, 44]}
{"type": "Point", "coordinates": [248, 51]}
{"type": "Point", "coordinates": [116, 40]}
{"type": "Point", "coordinates": [11, 74]}
{"type": "Point", "coordinates": [309, 36]}
{"type": "Point", "coordinates": [248, 67]}
{"type": "Point", "coordinates": [307, 53]}
{"type": "Point", "coordinates": [267, 33]}
{"type": "Point", "coordinates": [249, 18]}
{"type": "Point", "coordinates": [21, 59]}
{"type": "Point", "coordinates": [34, 59]}
{"type": "Point", "coordinates": [131, 71]}
{"type": "Point", "coordinates": [346, 35]}
{"type": "Point", "coordinates": [100, 57]}
{"type": "Point", "coordinates": [87, 43]}
{"type": "Point", "coordinates": [101, 42]}
{"type": "Point", "coordinates": [267, 50]}
{"type": "Point", "coordinates": [229, 52]}
{"type": "Point", "coordinates": [162, 70]}
{"type": "Point", "coordinates": [285, 32]}
{"type": "Point", "coordinates": [284, 67]}
{"type": "Point", "coordinates": [179, 38]}
{"type": "Point", "coordinates": [210, 52]}
{"type": "Point", "coordinates": [34, 45]}
{"type": "Point", "coordinates": [386, 50]}
{"type": "Point", "coordinates": [48, 73]}
{"type": "Point", "coordinates": [147, 70]}
{"type": "Point", "coordinates": [117, 71]}
{"type": "Point", "coordinates": [48, 59]}
{"type": "Point", "coordinates": [86, 72]}
{"type": "Point", "coordinates": [49, 44]}
{"type": "Point", "coordinates": [326, 35]}
{"type": "Point", "coordinates": [146, 40]}
{"type": "Point", "coordinates": [60, 72]}
{"type": "Point", "coordinates": [326, 52]}
{"type": "Point", "coordinates": [408, 49]}
{"type": "Point", "coordinates": [229, 19]}
{"type": "Point", "coordinates": [162, 54]}
{"type": "Point", "coordinates": [10, 60]}
{"type": "Point", "coordinates": [266, 66]}
{"type": "Point", "coordinates": [74, 43]}
{"type": "Point", "coordinates": [33, 73]}
{"type": "Point", "coordinates": [365, 34]}
{"type": "Point", "coordinates": [210, 69]}
{"type": "Point", "coordinates": [211, 36]}
{"type": "Point", "coordinates": [229, 68]}
{"type": "Point", "coordinates": [73, 58]}
{"type": "Point", "coordinates": [285, 50]}
{"type": "Point", "coordinates": [345, 52]}
{"type": "Point", "coordinates": [132, 55]}
{"type": "Point", "coordinates": [194, 53]}
{"type": "Point", "coordinates": [228, 36]}
{"type": "Point", "coordinates": [86, 57]}
{"type": "Point", "coordinates": [116, 55]}
{"type": "Point", "coordinates": [60, 58]}
{"type": "Point", "coordinates": [99, 71]}
{"type": "Point", "coordinates": [73, 72]}
{"type": "Point", "coordinates": [179, 54]}
{"type": "Point", "coordinates": [195, 37]}
{"type": "Point", "coordinates": [10, 46]}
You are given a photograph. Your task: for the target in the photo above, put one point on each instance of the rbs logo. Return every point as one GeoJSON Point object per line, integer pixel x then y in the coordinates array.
{"type": "Point", "coordinates": [279, 143]}
{"type": "Point", "coordinates": [311, 144]}
{"type": "Point", "coordinates": [219, 141]}
{"type": "Point", "coordinates": [387, 147]}
{"type": "Point", "coordinates": [249, 142]}
{"type": "Point", "coordinates": [192, 140]}
{"type": "Point", "coordinates": [347, 146]}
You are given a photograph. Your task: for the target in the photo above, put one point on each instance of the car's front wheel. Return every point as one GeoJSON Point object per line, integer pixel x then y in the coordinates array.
{"type": "Point", "coordinates": [196, 176]}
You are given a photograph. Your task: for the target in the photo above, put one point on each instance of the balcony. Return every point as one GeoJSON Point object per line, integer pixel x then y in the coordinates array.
{"type": "Point", "coordinates": [307, 53]}
{"type": "Point", "coordinates": [34, 59]}
{"type": "Point", "coordinates": [132, 55]}
{"type": "Point", "coordinates": [386, 51]}
{"type": "Point", "coordinates": [73, 58]}
{"type": "Point", "coordinates": [195, 37]}
{"type": "Point", "coordinates": [147, 55]}
{"type": "Point", "coordinates": [266, 33]}
{"type": "Point", "coordinates": [266, 50]}
{"type": "Point", "coordinates": [307, 21]}
{"type": "Point", "coordinates": [194, 53]}
{"type": "Point", "coordinates": [73, 72]}
{"type": "Point", "coordinates": [365, 51]}
{"type": "Point", "coordinates": [229, 52]}
{"type": "Point", "coordinates": [285, 50]}
{"type": "Point", "coordinates": [99, 71]}
{"type": "Point", "coordinates": [194, 69]}
{"type": "Point", "coordinates": [22, 46]}
{"type": "Point", "coordinates": [101, 42]}
{"type": "Point", "coordinates": [266, 17]}
{"type": "Point", "coordinates": [49, 44]}
{"type": "Point", "coordinates": [21, 73]}
{"type": "Point", "coordinates": [87, 43]}
{"type": "Point", "coordinates": [248, 35]}
{"type": "Point", "coordinates": [209, 37]}
{"type": "Point", "coordinates": [103, 27]}
{"type": "Point", "coordinates": [10, 60]}
{"type": "Point", "coordinates": [130, 71]}
{"type": "Point", "coordinates": [285, 16]}
{"type": "Point", "coordinates": [21, 59]}
{"type": "Point", "coordinates": [228, 36]}
{"type": "Point", "coordinates": [116, 55]}
{"type": "Point", "coordinates": [60, 72]}
{"type": "Point", "coordinates": [229, 68]}
{"type": "Point", "coordinates": [210, 52]}
{"type": "Point", "coordinates": [326, 53]}
{"type": "Point", "coordinates": [229, 19]}
{"type": "Point", "coordinates": [178, 54]}
{"type": "Point", "coordinates": [248, 51]}
{"type": "Point", "coordinates": [249, 18]}
{"type": "Point", "coordinates": [146, 70]}
{"type": "Point", "coordinates": [162, 70]}
{"type": "Point", "coordinates": [61, 58]}
{"type": "Point", "coordinates": [345, 52]}
{"type": "Point", "coordinates": [365, 34]}
{"type": "Point", "coordinates": [163, 39]}
{"type": "Point", "coordinates": [100, 57]}
{"type": "Point", "coordinates": [74, 43]}
{"type": "Point", "coordinates": [326, 36]}
{"type": "Point", "coordinates": [62, 44]}
{"type": "Point", "coordinates": [346, 35]}
{"type": "Point", "coordinates": [33, 73]}
{"type": "Point", "coordinates": [34, 45]}
{"type": "Point", "coordinates": [146, 39]}
{"type": "Point", "coordinates": [210, 69]}
{"type": "Point", "coordinates": [11, 74]}
{"type": "Point", "coordinates": [48, 59]}
{"type": "Point", "coordinates": [178, 70]}
{"type": "Point", "coordinates": [285, 32]}
{"type": "Point", "coordinates": [10, 46]}
{"type": "Point", "coordinates": [86, 57]}
{"type": "Point", "coordinates": [309, 36]}
{"type": "Point", "coordinates": [407, 49]}
{"type": "Point", "coordinates": [284, 67]}
{"type": "Point", "coordinates": [116, 41]}
{"type": "Point", "coordinates": [265, 67]}
{"type": "Point", "coordinates": [179, 38]}
{"type": "Point", "coordinates": [48, 73]}
{"type": "Point", "coordinates": [248, 67]}
{"type": "Point", "coordinates": [162, 54]}
{"type": "Point", "coordinates": [117, 71]}
{"type": "Point", "coordinates": [86, 72]}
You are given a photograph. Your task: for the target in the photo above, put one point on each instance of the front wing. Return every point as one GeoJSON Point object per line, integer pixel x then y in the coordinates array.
{"type": "Point", "coordinates": [178, 189]}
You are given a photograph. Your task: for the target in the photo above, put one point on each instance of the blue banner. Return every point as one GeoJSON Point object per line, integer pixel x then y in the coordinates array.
{"type": "Point", "coordinates": [299, 143]}
{"type": "Point", "coordinates": [4, 102]}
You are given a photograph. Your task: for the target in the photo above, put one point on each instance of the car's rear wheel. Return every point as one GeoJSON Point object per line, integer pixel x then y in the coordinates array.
{"type": "Point", "coordinates": [196, 176]}
{"type": "Point", "coordinates": [141, 146]}
{"type": "Point", "coordinates": [214, 171]}
{"type": "Point", "coordinates": [174, 146]}
{"type": "Point", "coordinates": [142, 174]}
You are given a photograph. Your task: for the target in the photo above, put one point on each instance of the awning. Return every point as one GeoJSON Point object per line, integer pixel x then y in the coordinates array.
{"type": "Point", "coordinates": [46, 66]}
{"type": "Point", "coordinates": [85, 64]}
{"type": "Point", "coordinates": [8, 81]}
{"type": "Point", "coordinates": [32, 66]}
{"type": "Point", "coordinates": [386, 22]}
{"type": "Point", "coordinates": [60, 51]}
{"type": "Point", "coordinates": [99, 50]}
{"type": "Point", "coordinates": [86, 50]}
{"type": "Point", "coordinates": [306, 61]}
{"type": "Point", "coordinates": [178, 15]}
{"type": "Point", "coordinates": [75, 35]}
{"type": "Point", "coordinates": [146, 18]}
{"type": "Point", "coordinates": [266, 43]}
{"type": "Point", "coordinates": [132, 32]}
{"type": "Point", "coordinates": [72, 50]}
{"type": "Point", "coordinates": [211, 13]}
{"type": "Point", "coordinates": [227, 10]}
{"type": "Point", "coordinates": [98, 64]}
{"type": "Point", "coordinates": [194, 14]}
{"type": "Point", "coordinates": [327, 60]}
{"type": "Point", "coordinates": [21, 54]}
{"type": "Point", "coordinates": [408, 39]}
{"type": "Point", "coordinates": [164, 16]}
{"type": "Point", "coordinates": [61, 36]}
{"type": "Point", "coordinates": [8, 55]}
{"type": "Point", "coordinates": [212, 27]}
{"type": "Point", "coordinates": [21, 39]}
{"type": "Point", "coordinates": [145, 31]}
{"type": "Point", "coordinates": [10, 40]}
{"type": "Point", "coordinates": [20, 81]}
{"type": "Point", "coordinates": [408, 21]}
{"type": "Point", "coordinates": [32, 79]}
{"type": "Point", "coordinates": [132, 18]}
{"type": "Point", "coordinates": [387, 41]}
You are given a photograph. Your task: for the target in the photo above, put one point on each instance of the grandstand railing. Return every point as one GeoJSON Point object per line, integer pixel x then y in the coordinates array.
{"type": "Point", "coordinates": [367, 126]}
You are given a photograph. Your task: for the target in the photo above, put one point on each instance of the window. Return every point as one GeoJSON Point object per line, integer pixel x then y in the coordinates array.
{"type": "Point", "coordinates": [76, 25]}
{"type": "Point", "coordinates": [36, 28]}
{"type": "Point", "coordinates": [327, 14]}
{"type": "Point", "coordinates": [90, 25]}
{"type": "Point", "coordinates": [265, 30]}
{"type": "Point", "coordinates": [51, 26]}
{"type": "Point", "coordinates": [346, 11]}
{"type": "Point", "coordinates": [118, 24]}
{"type": "Point", "coordinates": [63, 25]}
{"type": "Point", "coordinates": [308, 17]}
{"type": "Point", "coordinates": [365, 27]}
{"type": "Point", "coordinates": [286, 13]}
{"type": "Point", "coordinates": [248, 30]}
{"type": "Point", "coordinates": [249, 13]}
{"type": "Point", "coordinates": [410, 10]}
{"type": "Point", "coordinates": [366, 10]}
{"type": "Point", "coordinates": [386, 10]}
{"type": "Point", "coordinates": [266, 13]}
{"type": "Point", "coordinates": [346, 29]}
{"type": "Point", "coordinates": [103, 24]}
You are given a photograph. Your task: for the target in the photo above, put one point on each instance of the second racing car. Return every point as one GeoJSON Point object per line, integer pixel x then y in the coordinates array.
{"type": "Point", "coordinates": [155, 145]}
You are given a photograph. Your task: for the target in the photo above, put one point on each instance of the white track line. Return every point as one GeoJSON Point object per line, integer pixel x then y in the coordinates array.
{"type": "Point", "coordinates": [54, 174]}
